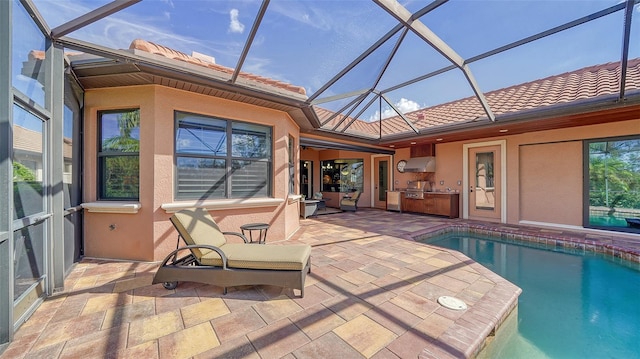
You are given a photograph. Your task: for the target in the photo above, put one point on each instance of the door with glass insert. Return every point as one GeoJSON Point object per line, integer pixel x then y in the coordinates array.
{"type": "Point", "coordinates": [484, 183]}
{"type": "Point", "coordinates": [30, 214]}
{"type": "Point", "coordinates": [381, 179]}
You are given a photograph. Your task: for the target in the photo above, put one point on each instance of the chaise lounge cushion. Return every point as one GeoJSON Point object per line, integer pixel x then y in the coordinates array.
{"type": "Point", "coordinates": [247, 256]}
{"type": "Point", "coordinates": [214, 261]}
{"type": "Point", "coordinates": [197, 227]}
{"type": "Point", "coordinates": [350, 203]}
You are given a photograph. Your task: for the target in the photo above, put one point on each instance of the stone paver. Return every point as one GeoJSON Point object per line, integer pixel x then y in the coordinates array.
{"type": "Point", "coordinates": [365, 335]}
{"type": "Point", "coordinates": [372, 293]}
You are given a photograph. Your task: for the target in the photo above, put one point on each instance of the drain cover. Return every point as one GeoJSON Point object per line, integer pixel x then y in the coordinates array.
{"type": "Point", "coordinates": [452, 303]}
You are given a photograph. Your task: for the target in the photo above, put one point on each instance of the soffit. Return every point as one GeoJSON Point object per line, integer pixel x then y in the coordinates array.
{"type": "Point", "coordinates": [533, 124]}
{"type": "Point", "coordinates": [96, 74]}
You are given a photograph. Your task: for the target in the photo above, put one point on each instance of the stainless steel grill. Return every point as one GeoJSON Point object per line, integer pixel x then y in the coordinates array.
{"type": "Point", "coordinates": [414, 194]}
{"type": "Point", "coordinates": [416, 189]}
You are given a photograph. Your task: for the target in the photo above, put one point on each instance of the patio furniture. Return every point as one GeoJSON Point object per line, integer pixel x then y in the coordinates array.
{"type": "Point", "coordinates": [350, 202]}
{"type": "Point", "coordinates": [322, 202]}
{"type": "Point", "coordinates": [308, 208]}
{"type": "Point", "coordinates": [261, 228]}
{"type": "Point", "coordinates": [210, 259]}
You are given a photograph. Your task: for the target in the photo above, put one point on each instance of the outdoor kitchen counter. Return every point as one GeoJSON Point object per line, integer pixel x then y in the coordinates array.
{"type": "Point", "coordinates": [436, 203]}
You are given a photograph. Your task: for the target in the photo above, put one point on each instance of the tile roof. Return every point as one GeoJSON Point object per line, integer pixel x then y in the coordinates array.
{"type": "Point", "coordinates": [586, 83]}
{"type": "Point", "coordinates": [169, 53]}
{"type": "Point", "coordinates": [27, 140]}
{"type": "Point", "coordinates": [30, 141]}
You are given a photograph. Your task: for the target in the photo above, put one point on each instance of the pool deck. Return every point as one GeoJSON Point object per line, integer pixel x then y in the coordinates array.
{"type": "Point", "coordinates": [372, 293]}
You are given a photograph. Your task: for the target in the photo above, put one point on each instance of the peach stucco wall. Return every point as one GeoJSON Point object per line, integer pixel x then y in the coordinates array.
{"type": "Point", "coordinates": [132, 235]}
{"type": "Point", "coordinates": [543, 196]}
{"type": "Point", "coordinates": [554, 195]}
{"type": "Point", "coordinates": [400, 179]}
{"type": "Point", "coordinates": [534, 162]}
{"type": "Point", "coordinates": [148, 234]}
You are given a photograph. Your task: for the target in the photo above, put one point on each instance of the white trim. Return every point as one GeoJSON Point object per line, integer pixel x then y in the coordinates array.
{"type": "Point", "coordinates": [215, 205]}
{"type": "Point", "coordinates": [293, 198]}
{"type": "Point", "coordinates": [390, 172]}
{"type": "Point", "coordinates": [503, 176]}
{"type": "Point", "coordinates": [112, 207]}
{"type": "Point", "coordinates": [579, 229]}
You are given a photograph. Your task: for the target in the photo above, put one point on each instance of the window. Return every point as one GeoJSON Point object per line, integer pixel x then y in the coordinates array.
{"type": "Point", "coordinates": [342, 175]}
{"type": "Point", "coordinates": [29, 179]}
{"type": "Point", "coordinates": [208, 166]}
{"type": "Point", "coordinates": [613, 184]}
{"type": "Point", "coordinates": [118, 155]}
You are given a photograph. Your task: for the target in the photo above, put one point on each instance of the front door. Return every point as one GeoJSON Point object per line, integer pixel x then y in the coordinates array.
{"type": "Point", "coordinates": [381, 180]}
{"type": "Point", "coordinates": [484, 180]}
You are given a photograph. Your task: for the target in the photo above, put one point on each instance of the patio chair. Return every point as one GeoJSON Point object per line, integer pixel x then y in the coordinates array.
{"type": "Point", "coordinates": [209, 258]}
{"type": "Point", "coordinates": [322, 203]}
{"type": "Point", "coordinates": [350, 203]}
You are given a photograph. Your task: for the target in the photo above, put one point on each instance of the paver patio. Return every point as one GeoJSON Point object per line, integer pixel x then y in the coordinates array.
{"type": "Point", "coordinates": [372, 293]}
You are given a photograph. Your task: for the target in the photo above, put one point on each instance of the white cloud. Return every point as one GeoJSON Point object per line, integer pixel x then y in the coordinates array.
{"type": "Point", "coordinates": [404, 106]}
{"type": "Point", "coordinates": [235, 25]}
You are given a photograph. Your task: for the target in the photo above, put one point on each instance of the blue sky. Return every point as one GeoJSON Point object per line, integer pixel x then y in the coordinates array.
{"type": "Point", "coordinates": [306, 43]}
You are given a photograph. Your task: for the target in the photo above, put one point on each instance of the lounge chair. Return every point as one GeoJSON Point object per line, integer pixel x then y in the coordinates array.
{"type": "Point", "coordinates": [350, 203]}
{"type": "Point", "coordinates": [209, 258]}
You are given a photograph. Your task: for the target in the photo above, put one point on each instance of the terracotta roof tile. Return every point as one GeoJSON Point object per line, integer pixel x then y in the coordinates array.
{"type": "Point", "coordinates": [589, 82]}
{"type": "Point", "coordinates": [167, 52]}
{"type": "Point", "coordinates": [36, 55]}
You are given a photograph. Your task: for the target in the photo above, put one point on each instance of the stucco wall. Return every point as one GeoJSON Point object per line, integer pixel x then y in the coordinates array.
{"type": "Point", "coordinates": [544, 195]}
{"type": "Point", "coordinates": [544, 171]}
{"type": "Point", "coordinates": [148, 235]}
{"type": "Point", "coordinates": [122, 236]}
{"type": "Point", "coordinates": [400, 179]}
{"type": "Point", "coordinates": [536, 160]}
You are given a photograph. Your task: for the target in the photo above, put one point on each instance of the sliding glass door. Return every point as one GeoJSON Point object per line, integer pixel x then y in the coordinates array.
{"type": "Point", "coordinates": [613, 184]}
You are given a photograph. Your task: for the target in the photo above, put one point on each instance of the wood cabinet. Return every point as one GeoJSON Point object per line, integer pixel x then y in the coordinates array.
{"type": "Point", "coordinates": [441, 204]}
{"type": "Point", "coordinates": [423, 150]}
{"type": "Point", "coordinates": [410, 205]}
{"type": "Point", "coordinates": [447, 205]}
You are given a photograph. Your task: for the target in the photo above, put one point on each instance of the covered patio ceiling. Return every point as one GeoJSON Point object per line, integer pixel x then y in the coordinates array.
{"type": "Point", "coordinates": [380, 72]}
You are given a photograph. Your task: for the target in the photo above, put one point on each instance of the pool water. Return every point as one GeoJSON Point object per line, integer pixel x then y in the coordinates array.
{"type": "Point", "coordinates": [607, 221]}
{"type": "Point", "coordinates": [571, 306]}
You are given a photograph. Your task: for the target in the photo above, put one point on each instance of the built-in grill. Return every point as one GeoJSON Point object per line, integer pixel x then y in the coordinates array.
{"type": "Point", "coordinates": [416, 189]}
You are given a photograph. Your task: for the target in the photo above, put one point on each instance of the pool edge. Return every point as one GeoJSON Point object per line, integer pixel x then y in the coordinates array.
{"type": "Point", "coordinates": [550, 239]}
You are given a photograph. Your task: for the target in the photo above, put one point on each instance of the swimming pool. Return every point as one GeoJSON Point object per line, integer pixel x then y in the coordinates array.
{"type": "Point", "coordinates": [572, 305]}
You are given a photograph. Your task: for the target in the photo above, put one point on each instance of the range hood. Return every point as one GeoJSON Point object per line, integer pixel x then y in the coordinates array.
{"type": "Point", "coordinates": [421, 164]}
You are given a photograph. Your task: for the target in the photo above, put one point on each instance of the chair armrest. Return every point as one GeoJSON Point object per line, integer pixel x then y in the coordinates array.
{"type": "Point", "coordinates": [237, 234]}
{"type": "Point", "coordinates": [192, 246]}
